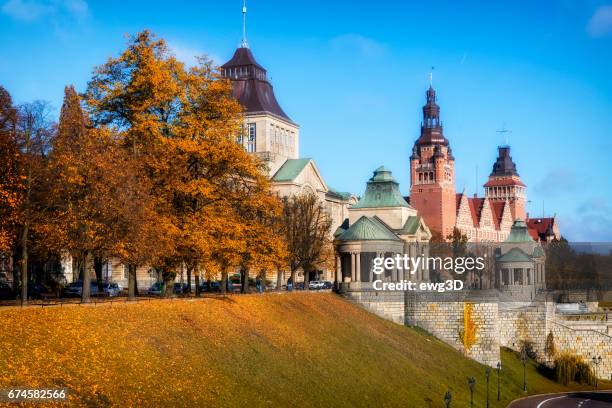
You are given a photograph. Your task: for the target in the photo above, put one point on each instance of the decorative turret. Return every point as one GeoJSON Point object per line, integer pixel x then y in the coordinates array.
{"type": "Point", "coordinates": [251, 85]}
{"type": "Point", "coordinates": [432, 131]}
{"type": "Point", "coordinates": [268, 132]}
{"type": "Point", "coordinates": [518, 233]}
{"type": "Point", "coordinates": [504, 184]}
{"type": "Point", "coordinates": [504, 166]}
{"type": "Point", "coordinates": [382, 191]}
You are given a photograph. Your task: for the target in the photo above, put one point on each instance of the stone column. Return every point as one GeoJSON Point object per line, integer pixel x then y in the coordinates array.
{"type": "Point", "coordinates": [338, 269]}
{"type": "Point", "coordinates": [511, 276]}
{"type": "Point", "coordinates": [352, 267]}
{"type": "Point", "coordinates": [358, 267]}
{"type": "Point", "coordinates": [370, 272]}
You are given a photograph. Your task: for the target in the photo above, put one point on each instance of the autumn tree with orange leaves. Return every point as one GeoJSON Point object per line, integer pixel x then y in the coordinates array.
{"type": "Point", "coordinates": [34, 133]}
{"type": "Point", "coordinates": [86, 176]}
{"type": "Point", "coordinates": [10, 182]}
{"type": "Point", "coordinates": [180, 124]}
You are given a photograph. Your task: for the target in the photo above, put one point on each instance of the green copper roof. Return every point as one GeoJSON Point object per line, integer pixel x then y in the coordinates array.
{"type": "Point", "coordinates": [518, 233]}
{"type": "Point", "coordinates": [368, 229]}
{"type": "Point", "coordinates": [382, 191]}
{"type": "Point", "coordinates": [339, 231]}
{"type": "Point", "coordinates": [515, 255]}
{"type": "Point", "coordinates": [290, 169]}
{"type": "Point", "coordinates": [411, 226]}
{"type": "Point", "coordinates": [342, 194]}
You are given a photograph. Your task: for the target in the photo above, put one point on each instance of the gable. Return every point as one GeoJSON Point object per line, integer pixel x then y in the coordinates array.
{"type": "Point", "coordinates": [486, 216]}
{"type": "Point", "coordinates": [464, 214]}
{"type": "Point", "coordinates": [300, 172]}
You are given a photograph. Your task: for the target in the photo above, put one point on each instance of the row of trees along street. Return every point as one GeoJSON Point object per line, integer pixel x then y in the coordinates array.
{"type": "Point", "coordinates": [143, 166]}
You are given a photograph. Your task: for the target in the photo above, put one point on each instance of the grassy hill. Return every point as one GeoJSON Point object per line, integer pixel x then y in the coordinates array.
{"type": "Point", "coordinates": [269, 350]}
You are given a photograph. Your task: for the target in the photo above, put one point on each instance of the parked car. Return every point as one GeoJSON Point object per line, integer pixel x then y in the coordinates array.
{"type": "Point", "coordinates": [6, 292]}
{"type": "Point", "coordinates": [111, 289]}
{"type": "Point", "coordinates": [327, 285]}
{"type": "Point", "coordinates": [156, 289]}
{"type": "Point", "coordinates": [316, 285]}
{"type": "Point", "coordinates": [180, 288]}
{"type": "Point", "coordinates": [214, 286]}
{"type": "Point", "coordinates": [75, 289]}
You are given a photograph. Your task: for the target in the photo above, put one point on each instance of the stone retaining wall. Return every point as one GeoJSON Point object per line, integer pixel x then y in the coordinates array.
{"type": "Point", "coordinates": [446, 320]}
{"type": "Point", "coordinates": [494, 325]}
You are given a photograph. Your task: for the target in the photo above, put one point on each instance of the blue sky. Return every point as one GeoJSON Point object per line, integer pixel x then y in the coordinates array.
{"type": "Point", "coordinates": [353, 74]}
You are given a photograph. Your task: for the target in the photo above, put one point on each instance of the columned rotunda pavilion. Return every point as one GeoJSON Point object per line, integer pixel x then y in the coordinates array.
{"type": "Point", "coordinates": [381, 224]}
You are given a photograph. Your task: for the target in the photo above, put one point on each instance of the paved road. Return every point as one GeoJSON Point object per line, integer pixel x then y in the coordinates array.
{"type": "Point", "coordinates": [568, 400]}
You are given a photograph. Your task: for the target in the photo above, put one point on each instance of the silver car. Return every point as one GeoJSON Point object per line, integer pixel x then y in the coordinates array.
{"type": "Point", "coordinates": [111, 289]}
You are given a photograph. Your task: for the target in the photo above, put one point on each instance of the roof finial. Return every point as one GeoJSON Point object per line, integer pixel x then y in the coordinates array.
{"type": "Point", "coordinates": [504, 132]}
{"type": "Point", "coordinates": [431, 77]}
{"type": "Point", "coordinates": [244, 43]}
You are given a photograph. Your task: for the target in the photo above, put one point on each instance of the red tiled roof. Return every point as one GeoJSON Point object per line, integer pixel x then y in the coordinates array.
{"type": "Point", "coordinates": [476, 205]}
{"type": "Point", "coordinates": [497, 208]}
{"type": "Point", "coordinates": [504, 182]}
{"type": "Point", "coordinates": [458, 198]}
{"type": "Point", "coordinates": [537, 227]}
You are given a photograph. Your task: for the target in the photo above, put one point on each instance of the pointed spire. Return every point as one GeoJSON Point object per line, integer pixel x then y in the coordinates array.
{"type": "Point", "coordinates": [431, 77]}
{"type": "Point", "coordinates": [244, 43]}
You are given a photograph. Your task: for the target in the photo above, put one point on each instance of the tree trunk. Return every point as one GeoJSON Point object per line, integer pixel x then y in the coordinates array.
{"type": "Point", "coordinates": [132, 282]}
{"type": "Point", "coordinates": [293, 274]}
{"type": "Point", "coordinates": [223, 282]}
{"type": "Point", "coordinates": [24, 265]}
{"type": "Point", "coordinates": [306, 278]}
{"type": "Point", "coordinates": [86, 292]}
{"type": "Point", "coordinates": [244, 277]}
{"type": "Point", "coordinates": [197, 282]}
{"type": "Point", "coordinates": [279, 280]}
{"type": "Point", "coordinates": [189, 270]}
{"type": "Point", "coordinates": [98, 270]}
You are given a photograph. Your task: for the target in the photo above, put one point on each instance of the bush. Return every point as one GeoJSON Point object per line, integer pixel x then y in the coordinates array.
{"type": "Point", "coordinates": [571, 368]}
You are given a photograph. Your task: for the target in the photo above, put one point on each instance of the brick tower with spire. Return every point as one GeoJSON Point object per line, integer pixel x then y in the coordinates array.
{"type": "Point", "coordinates": [432, 172]}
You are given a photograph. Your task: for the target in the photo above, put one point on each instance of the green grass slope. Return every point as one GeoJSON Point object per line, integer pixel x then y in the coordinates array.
{"type": "Point", "coordinates": [300, 349]}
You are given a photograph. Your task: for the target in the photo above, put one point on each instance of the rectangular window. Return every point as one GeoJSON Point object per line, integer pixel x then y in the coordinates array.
{"type": "Point", "coordinates": [126, 272]}
{"type": "Point", "coordinates": [251, 137]}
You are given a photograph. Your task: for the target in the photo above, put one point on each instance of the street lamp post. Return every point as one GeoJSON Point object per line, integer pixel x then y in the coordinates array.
{"type": "Point", "coordinates": [487, 374]}
{"type": "Point", "coordinates": [471, 384]}
{"type": "Point", "coordinates": [524, 361]}
{"type": "Point", "coordinates": [596, 361]}
{"type": "Point", "coordinates": [447, 399]}
{"type": "Point", "coordinates": [498, 383]}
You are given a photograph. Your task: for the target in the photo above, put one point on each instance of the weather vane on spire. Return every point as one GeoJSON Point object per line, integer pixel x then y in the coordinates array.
{"type": "Point", "coordinates": [244, 43]}
{"type": "Point", "coordinates": [504, 132]}
{"type": "Point", "coordinates": [431, 77]}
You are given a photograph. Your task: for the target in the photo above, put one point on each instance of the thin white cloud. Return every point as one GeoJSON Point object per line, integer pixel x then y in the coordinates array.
{"type": "Point", "coordinates": [189, 55]}
{"type": "Point", "coordinates": [27, 11]}
{"type": "Point", "coordinates": [595, 205]}
{"type": "Point", "coordinates": [559, 180]}
{"type": "Point", "coordinates": [366, 47]}
{"type": "Point", "coordinates": [600, 23]}
{"type": "Point", "coordinates": [32, 10]}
